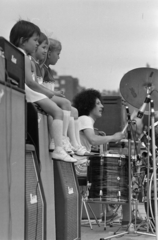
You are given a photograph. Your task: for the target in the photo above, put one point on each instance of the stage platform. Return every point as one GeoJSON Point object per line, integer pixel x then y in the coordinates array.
{"type": "Point", "coordinates": [98, 232]}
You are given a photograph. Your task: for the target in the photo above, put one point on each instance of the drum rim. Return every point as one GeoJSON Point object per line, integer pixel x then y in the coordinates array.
{"type": "Point", "coordinates": [117, 155]}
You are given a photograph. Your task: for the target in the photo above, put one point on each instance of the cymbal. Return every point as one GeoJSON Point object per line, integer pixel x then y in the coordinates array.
{"type": "Point", "coordinates": [134, 86]}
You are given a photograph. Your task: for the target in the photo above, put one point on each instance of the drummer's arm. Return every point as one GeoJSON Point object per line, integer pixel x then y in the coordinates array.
{"type": "Point", "coordinates": [98, 140]}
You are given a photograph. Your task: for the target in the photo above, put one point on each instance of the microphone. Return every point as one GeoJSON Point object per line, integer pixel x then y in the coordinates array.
{"type": "Point", "coordinates": [142, 109]}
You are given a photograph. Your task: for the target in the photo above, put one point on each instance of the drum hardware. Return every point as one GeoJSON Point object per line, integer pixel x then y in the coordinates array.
{"type": "Point", "coordinates": [101, 160]}
{"type": "Point", "coordinates": [89, 185]}
{"type": "Point", "coordinates": [149, 223]}
{"type": "Point", "coordinates": [119, 162]}
{"type": "Point", "coordinates": [88, 161]}
{"type": "Point", "coordinates": [101, 193]}
{"type": "Point", "coordinates": [119, 195]}
{"type": "Point", "coordinates": [135, 86]}
{"type": "Point", "coordinates": [145, 134]}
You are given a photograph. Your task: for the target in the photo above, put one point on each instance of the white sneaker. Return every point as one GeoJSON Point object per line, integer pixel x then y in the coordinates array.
{"type": "Point", "coordinates": [63, 156]}
{"type": "Point", "coordinates": [66, 145]}
{"type": "Point", "coordinates": [82, 161]}
{"type": "Point", "coordinates": [81, 151]}
{"type": "Point", "coordinates": [52, 146]}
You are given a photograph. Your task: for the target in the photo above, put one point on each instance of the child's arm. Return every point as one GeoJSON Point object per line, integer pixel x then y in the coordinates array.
{"type": "Point", "coordinates": [32, 84]}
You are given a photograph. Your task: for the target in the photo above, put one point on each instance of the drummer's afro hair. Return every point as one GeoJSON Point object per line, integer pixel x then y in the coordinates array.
{"type": "Point", "coordinates": [85, 101]}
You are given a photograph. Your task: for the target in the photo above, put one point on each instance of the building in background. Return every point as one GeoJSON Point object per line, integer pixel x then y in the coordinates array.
{"type": "Point", "coordinates": [68, 85]}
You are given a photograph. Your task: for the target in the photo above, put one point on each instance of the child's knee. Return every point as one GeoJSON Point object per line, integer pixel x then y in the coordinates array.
{"type": "Point", "coordinates": [66, 105]}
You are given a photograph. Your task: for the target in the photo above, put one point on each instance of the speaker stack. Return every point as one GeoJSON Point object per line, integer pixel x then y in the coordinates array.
{"type": "Point", "coordinates": [12, 143]}
{"type": "Point", "coordinates": [35, 204]}
{"type": "Point", "coordinates": [39, 197]}
{"type": "Point", "coordinates": [37, 134]}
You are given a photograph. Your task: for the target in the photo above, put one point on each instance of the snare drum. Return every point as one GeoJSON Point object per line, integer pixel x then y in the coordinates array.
{"type": "Point", "coordinates": [107, 178]}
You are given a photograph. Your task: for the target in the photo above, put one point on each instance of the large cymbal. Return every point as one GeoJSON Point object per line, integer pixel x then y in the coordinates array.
{"type": "Point", "coordinates": [134, 85]}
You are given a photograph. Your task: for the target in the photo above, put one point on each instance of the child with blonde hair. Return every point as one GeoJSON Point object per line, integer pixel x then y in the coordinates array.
{"type": "Point", "coordinates": [71, 129]}
{"type": "Point", "coordinates": [37, 58]}
{"type": "Point", "coordinates": [25, 36]}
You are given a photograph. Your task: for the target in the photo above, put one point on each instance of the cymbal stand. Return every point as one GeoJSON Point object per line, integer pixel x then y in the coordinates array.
{"type": "Point", "coordinates": [130, 225]}
{"type": "Point", "coordinates": [148, 223]}
{"type": "Point", "coordinates": [154, 174]}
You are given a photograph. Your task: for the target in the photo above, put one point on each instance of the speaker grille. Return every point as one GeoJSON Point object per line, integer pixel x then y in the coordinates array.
{"type": "Point", "coordinates": [34, 201]}
{"type": "Point", "coordinates": [66, 201]}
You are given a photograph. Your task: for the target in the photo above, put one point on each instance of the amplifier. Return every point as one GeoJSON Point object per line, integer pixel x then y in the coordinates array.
{"type": "Point", "coordinates": [67, 202]}
{"type": "Point", "coordinates": [35, 204]}
{"type": "Point", "coordinates": [37, 130]}
{"type": "Point", "coordinates": [12, 163]}
{"type": "Point", "coordinates": [14, 64]}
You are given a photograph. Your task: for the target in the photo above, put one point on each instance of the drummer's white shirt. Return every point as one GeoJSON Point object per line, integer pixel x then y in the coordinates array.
{"type": "Point", "coordinates": [84, 123]}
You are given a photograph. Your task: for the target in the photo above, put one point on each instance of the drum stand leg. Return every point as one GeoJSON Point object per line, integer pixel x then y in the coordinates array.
{"type": "Point", "coordinates": [104, 214]}
{"type": "Point", "coordinates": [93, 214]}
{"type": "Point", "coordinates": [85, 204]}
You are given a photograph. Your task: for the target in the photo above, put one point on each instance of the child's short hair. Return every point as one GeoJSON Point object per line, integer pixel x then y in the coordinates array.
{"type": "Point", "coordinates": [43, 38]}
{"type": "Point", "coordinates": [22, 29]}
{"type": "Point", "coordinates": [54, 44]}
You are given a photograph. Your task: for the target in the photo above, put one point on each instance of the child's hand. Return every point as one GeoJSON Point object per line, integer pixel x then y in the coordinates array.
{"type": "Point", "coordinates": [59, 94]}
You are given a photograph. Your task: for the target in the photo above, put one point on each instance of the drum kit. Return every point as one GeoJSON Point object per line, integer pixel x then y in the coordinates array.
{"type": "Point", "coordinates": [110, 176]}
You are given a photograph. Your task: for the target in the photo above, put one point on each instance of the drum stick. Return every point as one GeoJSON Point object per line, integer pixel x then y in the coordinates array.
{"type": "Point", "coordinates": [134, 114]}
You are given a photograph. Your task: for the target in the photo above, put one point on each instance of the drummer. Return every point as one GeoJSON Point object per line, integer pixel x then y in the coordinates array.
{"type": "Point", "coordinates": [90, 108]}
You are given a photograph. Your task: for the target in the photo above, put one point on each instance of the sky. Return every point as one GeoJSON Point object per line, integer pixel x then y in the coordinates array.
{"type": "Point", "coordinates": [101, 39]}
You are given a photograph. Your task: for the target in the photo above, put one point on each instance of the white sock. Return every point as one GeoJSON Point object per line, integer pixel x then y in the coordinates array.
{"type": "Point", "coordinates": [50, 122]}
{"type": "Point", "coordinates": [66, 120]}
{"type": "Point", "coordinates": [57, 130]}
{"type": "Point", "coordinates": [77, 132]}
{"type": "Point", "coordinates": [71, 132]}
